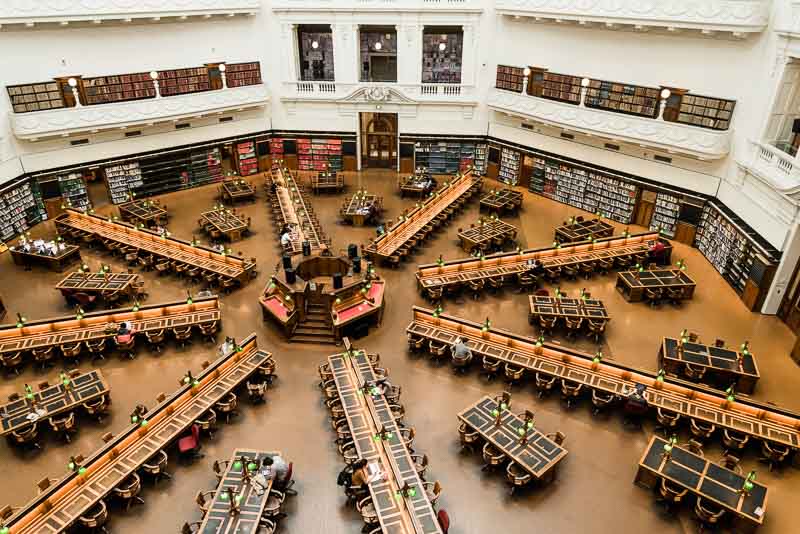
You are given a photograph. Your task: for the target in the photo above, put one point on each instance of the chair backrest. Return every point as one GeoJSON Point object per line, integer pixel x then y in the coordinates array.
{"type": "Point", "coordinates": [444, 520]}
{"type": "Point", "coordinates": [288, 476]}
{"type": "Point", "coordinates": [196, 434]}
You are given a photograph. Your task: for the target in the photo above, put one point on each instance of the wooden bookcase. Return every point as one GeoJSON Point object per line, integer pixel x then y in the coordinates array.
{"type": "Point", "coordinates": [561, 87]}
{"type": "Point", "coordinates": [119, 88]}
{"type": "Point", "coordinates": [623, 98]}
{"type": "Point", "coordinates": [241, 74]}
{"type": "Point", "coordinates": [705, 111]}
{"type": "Point", "coordinates": [36, 96]}
{"type": "Point", "coordinates": [509, 78]}
{"type": "Point", "coordinates": [183, 81]}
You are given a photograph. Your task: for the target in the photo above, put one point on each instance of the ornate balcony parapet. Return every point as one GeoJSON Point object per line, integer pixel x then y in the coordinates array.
{"type": "Point", "coordinates": [419, 93]}
{"type": "Point", "coordinates": [376, 5]}
{"type": "Point", "coordinates": [33, 12]}
{"type": "Point", "coordinates": [774, 167]}
{"type": "Point", "coordinates": [737, 16]}
{"type": "Point", "coordinates": [667, 136]}
{"type": "Point", "coordinates": [67, 121]}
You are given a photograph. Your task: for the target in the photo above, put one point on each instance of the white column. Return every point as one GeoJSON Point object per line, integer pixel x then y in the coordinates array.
{"type": "Point", "coordinates": [783, 276]}
{"type": "Point", "coordinates": [407, 59]}
{"type": "Point", "coordinates": [289, 38]}
{"type": "Point", "coordinates": [468, 57]}
{"type": "Point", "coordinates": [343, 62]}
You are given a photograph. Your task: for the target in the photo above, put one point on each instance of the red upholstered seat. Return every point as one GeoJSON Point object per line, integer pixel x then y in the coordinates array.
{"type": "Point", "coordinates": [191, 442]}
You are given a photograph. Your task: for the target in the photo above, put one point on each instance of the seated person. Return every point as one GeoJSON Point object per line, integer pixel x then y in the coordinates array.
{"type": "Point", "coordinates": [124, 333]}
{"type": "Point", "coordinates": [656, 252]}
{"type": "Point", "coordinates": [276, 469]}
{"type": "Point", "coordinates": [379, 230]}
{"type": "Point", "coordinates": [461, 353]}
{"type": "Point", "coordinates": [286, 239]}
{"type": "Point", "coordinates": [360, 477]}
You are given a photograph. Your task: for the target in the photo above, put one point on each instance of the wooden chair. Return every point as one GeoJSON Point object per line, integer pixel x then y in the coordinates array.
{"type": "Point", "coordinates": [44, 356]}
{"type": "Point", "coordinates": [544, 383]}
{"type": "Point", "coordinates": [695, 447]}
{"type": "Point", "coordinates": [228, 406]}
{"type": "Point", "coordinates": [601, 400]}
{"type": "Point", "coordinates": [517, 477]}
{"type": "Point", "coordinates": [468, 437]}
{"type": "Point", "coordinates": [368, 513]}
{"type": "Point", "coordinates": [192, 528]}
{"type": "Point", "coordinates": [415, 344]}
{"type": "Point", "coordinates": [207, 422]}
{"type": "Point", "coordinates": [496, 283]}
{"type": "Point", "coordinates": [95, 519]}
{"type": "Point", "coordinates": [675, 296]}
{"type": "Point", "coordinates": [476, 286]}
{"type": "Point", "coordinates": [492, 457]}
{"type": "Point", "coordinates": [97, 408]}
{"type": "Point", "coordinates": [155, 338]}
{"type": "Point", "coordinates": [70, 352]}
{"type": "Point", "coordinates": [570, 391]}
{"type": "Point", "coordinates": [670, 495]}
{"type": "Point", "coordinates": [433, 491]}
{"type": "Point", "coordinates": [209, 331]}
{"type": "Point", "coordinates": [63, 425]}
{"type": "Point", "coordinates": [694, 372]}
{"type": "Point", "coordinates": [596, 329]}
{"type": "Point", "coordinates": [552, 274]}
{"type": "Point", "coordinates": [603, 266]}
{"type": "Point", "coordinates": [438, 351]}
{"type": "Point", "coordinates": [734, 441]}
{"type": "Point", "coordinates": [667, 421]}
{"type": "Point", "coordinates": [728, 461]}
{"type": "Point", "coordinates": [513, 374]}
{"type": "Point", "coordinates": [272, 509]}
{"type": "Point", "coordinates": [203, 500]}
{"type": "Point", "coordinates": [407, 436]}
{"type": "Point", "coordinates": [420, 464]}
{"type": "Point", "coordinates": [12, 362]}
{"type": "Point", "coordinates": [708, 514]}
{"type": "Point", "coordinates": [546, 324]}
{"type": "Point", "coordinates": [27, 436]}
{"type": "Point", "coordinates": [256, 392]}
{"type": "Point", "coordinates": [701, 430]}
{"type": "Point", "coordinates": [654, 296]}
{"type": "Point", "coordinates": [573, 326]}
{"type": "Point", "coordinates": [163, 266]}
{"type": "Point", "coordinates": [491, 367]}
{"type": "Point", "coordinates": [96, 348]}
{"type": "Point", "coordinates": [183, 335]}
{"type": "Point", "coordinates": [774, 454]}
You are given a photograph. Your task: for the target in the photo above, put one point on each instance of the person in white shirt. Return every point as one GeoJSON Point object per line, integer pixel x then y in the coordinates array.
{"type": "Point", "coordinates": [286, 239]}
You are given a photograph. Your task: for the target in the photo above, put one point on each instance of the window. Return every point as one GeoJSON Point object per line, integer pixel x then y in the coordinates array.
{"type": "Point", "coordinates": [315, 45]}
{"type": "Point", "coordinates": [441, 54]}
{"type": "Point", "coordinates": [378, 47]}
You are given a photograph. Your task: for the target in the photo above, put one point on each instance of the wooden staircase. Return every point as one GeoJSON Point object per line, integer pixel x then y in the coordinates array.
{"type": "Point", "coordinates": [315, 328]}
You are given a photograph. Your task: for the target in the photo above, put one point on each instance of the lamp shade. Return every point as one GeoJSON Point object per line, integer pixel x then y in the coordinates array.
{"type": "Point", "coordinates": [72, 82]}
{"type": "Point", "coordinates": [665, 93]}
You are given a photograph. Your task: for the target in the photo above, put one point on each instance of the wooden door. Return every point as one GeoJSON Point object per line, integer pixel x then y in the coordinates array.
{"type": "Point", "coordinates": [526, 171]}
{"type": "Point", "coordinates": [379, 140]}
{"type": "Point", "coordinates": [789, 310]}
{"type": "Point", "coordinates": [645, 209]}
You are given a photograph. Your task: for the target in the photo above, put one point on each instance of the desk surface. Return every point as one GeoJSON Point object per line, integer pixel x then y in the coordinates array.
{"type": "Point", "coordinates": [224, 220]}
{"type": "Point", "coordinates": [705, 479]}
{"type": "Point", "coordinates": [360, 204]}
{"type": "Point", "coordinates": [664, 278]}
{"type": "Point", "coordinates": [583, 230]}
{"type": "Point", "coordinates": [219, 520]}
{"type": "Point", "coordinates": [96, 282]}
{"type": "Point", "coordinates": [501, 198]}
{"type": "Point", "coordinates": [366, 415]}
{"type": "Point", "coordinates": [747, 416]}
{"type": "Point", "coordinates": [295, 210]}
{"type": "Point", "coordinates": [141, 210]}
{"type": "Point", "coordinates": [165, 247]}
{"type": "Point", "coordinates": [68, 330]}
{"type": "Point", "coordinates": [592, 309]}
{"type": "Point", "coordinates": [52, 401]}
{"type": "Point", "coordinates": [717, 358]}
{"type": "Point", "coordinates": [419, 184]}
{"type": "Point", "coordinates": [238, 188]}
{"type": "Point", "coordinates": [67, 251]}
{"type": "Point", "coordinates": [486, 231]}
{"type": "Point", "coordinates": [537, 456]}
{"type": "Point", "coordinates": [73, 495]}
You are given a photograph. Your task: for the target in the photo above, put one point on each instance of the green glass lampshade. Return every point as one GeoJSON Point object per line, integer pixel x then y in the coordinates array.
{"type": "Point", "coordinates": [81, 470]}
{"type": "Point", "coordinates": [251, 466]}
{"type": "Point", "coordinates": [4, 530]}
{"type": "Point", "coordinates": [398, 497]}
{"type": "Point", "coordinates": [223, 496]}
{"type": "Point", "coordinates": [237, 465]}
{"type": "Point", "coordinates": [495, 412]}
{"type": "Point", "coordinates": [521, 431]}
{"type": "Point", "coordinates": [503, 406]}
{"type": "Point", "coordinates": [71, 466]}
{"type": "Point", "coordinates": [134, 419]}
{"type": "Point", "coordinates": [144, 422]}
{"type": "Point", "coordinates": [530, 424]}
{"type": "Point", "coordinates": [412, 492]}
{"type": "Point", "coordinates": [748, 486]}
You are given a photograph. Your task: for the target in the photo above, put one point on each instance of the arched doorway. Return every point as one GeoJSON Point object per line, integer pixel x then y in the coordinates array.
{"type": "Point", "coordinates": [378, 140]}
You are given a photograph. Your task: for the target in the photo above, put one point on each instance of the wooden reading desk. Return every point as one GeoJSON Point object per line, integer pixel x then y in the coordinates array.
{"type": "Point", "coordinates": [55, 262]}
{"type": "Point", "coordinates": [360, 208]}
{"type": "Point", "coordinates": [239, 189]}
{"type": "Point", "coordinates": [498, 200]}
{"type": "Point", "coordinates": [632, 284]}
{"type": "Point", "coordinates": [327, 181]}
{"type": "Point", "coordinates": [366, 415]}
{"type": "Point", "coordinates": [225, 222]}
{"type": "Point", "coordinates": [693, 401]}
{"type": "Point", "coordinates": [583, 231]}
{"type": "Point", "coordinates": [396, 236]}
{"type": "Point", "coordinates": [64, 501]}
{"type": "Point", "coordinates": [58, 331]}
{"type": "Point", "coordinates": [97, 283]}
{"type": "Point", "coordinates": [77, 223]}
{"type": "Point", "coordinates": [220, 519]}
{"type": "Point", "coordinates": [296, 211]}
{"type": "Point", "coordinates": [705, 479]}
{"type": "Point", "coordinates": [590, 309]}
{"type": "Point", "coordinates": [146, 212]}
{"type": "Point", "coordinates": [726, 366]}
{"type": "Point", "coordinates": [417, 185]}
{"type": "Point", "coordinates": [482, 234]}
{"type": "Point", "coordinates": [52, 401]}
{"type": "Point", "coordinates": [538, 456]}
{"type": "Point", "coordinates": [508, 264]}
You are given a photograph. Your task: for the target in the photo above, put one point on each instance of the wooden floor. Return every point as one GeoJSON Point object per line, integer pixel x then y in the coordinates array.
{"type": "Point", "coordinates": [594, 491]}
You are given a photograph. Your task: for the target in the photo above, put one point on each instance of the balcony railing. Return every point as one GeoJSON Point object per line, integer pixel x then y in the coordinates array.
{"type": "Point", "coordinates": [82, 119]}
{"type": "Point", "coordinates": [775, 167]}
{"type": "Point", "coordinates": [667, 136]}
{"type": "Point", "coordinates": [374, 91]}
{"type": "Point", "coordinates": [32, 12]}
{"type": "Point", "coordinates": [388, 5]}
{"type": "Point", "coordinates": [736, 16]}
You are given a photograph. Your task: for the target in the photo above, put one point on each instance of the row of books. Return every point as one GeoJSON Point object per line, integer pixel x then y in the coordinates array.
{"type": "Point", "coordinates": [122, 179]}
{"type": "Point", "coordinates": [247, 160]}
{"type": "Point", "coordinates": [319, 154]}
{"type": "Point", "coordinates": [20, 209]}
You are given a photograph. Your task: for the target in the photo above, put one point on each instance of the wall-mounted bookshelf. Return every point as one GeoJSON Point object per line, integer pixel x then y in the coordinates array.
{"type": "Point", "coordinates": [107, 89]}
{"type": "Point", "coordinates": [509, 166]}
{"type": "Point", "coordinates": [665, 214]}
{"type": "Point", "coordinates": [509, 78]}
{"type": "Point", "coordinates": [481, 150]}
{"type": "Point", "coordinates": [205, 166]}
{"type": "Point", "coordinates": [247, 160]}
{"type": "Point", "coordinates": [561, 87]}
{"type": "Point", "coordinates": [121, 179]}
{"type": "Point", "coordinates": [241, 74]}
{"type": "Point", "coordinates": [73, 190]}
{"type": "Point", "coordinates": [584, 188]}
{"type": "Point", "coordinates": [35, 97]}
{"type": "Point", "coordinates": [276, 148]}
{"type": "Point", "coordinates": [21, 208]}
{"type": "Point", "coordinates": [183, 81]}
{"type": "Point", "coordinates": [442, 64]}
{"type": "Point", "coordinates": [443, 157]}
{"type": "Point", "coordinates": [319, 154]}
{"type": "Point", "coordinates": [714, 113]}
{"type": "Point", "coordinates": [623, 98]}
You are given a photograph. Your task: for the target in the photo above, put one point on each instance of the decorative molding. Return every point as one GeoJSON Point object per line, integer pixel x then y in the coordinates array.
{"type": "Point", "coordinates": [364, 92]}
{"type": "Point", "coordinates": [658, 134]}
{"type": "Point", "coordinates": [394, 6]}
{"type": "Point", "coordinates": [778, 170]}
{"type": "Point", "coordinates": [31, 12]}
{"type": "Point", "coordinates": [737, 16]}
{"type": "Point", "coordinates": [67, 121]}
{"type": "Point", "coordinates": [788, 23]}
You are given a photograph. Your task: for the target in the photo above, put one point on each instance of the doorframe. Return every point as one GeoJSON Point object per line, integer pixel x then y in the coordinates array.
{"type": "Point", "coordinates": [360, 133]}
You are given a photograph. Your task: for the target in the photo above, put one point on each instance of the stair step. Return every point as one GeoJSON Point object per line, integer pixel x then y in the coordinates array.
{"type": "Point", "coordinates": [313, 330]}
{"type": "Point", "coordinates": [316, 324]}
{"type": "Point", "coordinates": [311, 339]}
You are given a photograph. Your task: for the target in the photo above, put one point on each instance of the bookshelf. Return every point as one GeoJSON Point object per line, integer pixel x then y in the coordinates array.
{"type": "Point", "coordinates": [183, 81]}
{"type": "Point", "coordinates": [122, 179]}
{"type": "Point", "coordinates": [509, 78]}
{"type": "Point", "coordinates": [242, 74]}
{"type": "Point", "coordinates": [21, 208]}
{"type": "Point", "coordinates": [584, 188]}
{"type": "Point", "coordinates": [714, 113]}
{"type": "Point", "coordinates": [509, 166]}
{"type": "Point", "coordinates": [163, 173]}
{"type": "Point", "coordinates": [73, 190]}
{"type": "Point", "coordinates": [441, 65]}
{"type": "Point", "coordinates": [623, 98]}
{"type": "Point", "coordinates": [443, 157]}
{"type": "Point", "coordinates": [247, 161]}
{"type": "Point", "coordinates": [35, 97]}
{"type": "Point", "coordinates": [107, 89]}
{"type": "Point", "coordinates": [561, 87]}
{"type": "Point", "coordinates": [319, 154]}
{"type": "Point", "coordinates": [481, 150]}
{"type": "Point", "coordinates": [665, 214]}
{"type": "Point", "coordinates": [205, 167]}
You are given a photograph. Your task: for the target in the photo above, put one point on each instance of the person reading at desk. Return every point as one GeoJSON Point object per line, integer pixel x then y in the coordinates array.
{"type": "Point", "coordinates": [286, 239]}
{"type": "Point", "coordinates": [275, 468]}
{"type": "Point", "coordinates": [124, 332]}
{"type": "Point", "coordinates": [461, 353]}
{"type": "Point", "coordinates": [656, 252]}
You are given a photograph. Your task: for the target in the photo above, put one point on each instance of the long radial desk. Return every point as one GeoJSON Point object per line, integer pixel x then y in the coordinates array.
{"type": "Point", "coordinates": [58, 331]}
{"type": "Point", "coordinates": [296, 211]}
{"type": "Point", "coordinates": [396, 236]}
{"type": "Point", "coordinates": [58, 507]}
{"type": "Point", "coordinates": [455, 272]}
{"type": "Point", "coordinates": [366, 415]}
{"type": "Point", "coordinates": [759, 420]}
{"type": "Point", "coordinates": [163, 247]}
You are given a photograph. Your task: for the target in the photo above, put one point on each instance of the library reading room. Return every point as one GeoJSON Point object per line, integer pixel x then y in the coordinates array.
{"type": "Point", "coordinates": [399, 266]}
